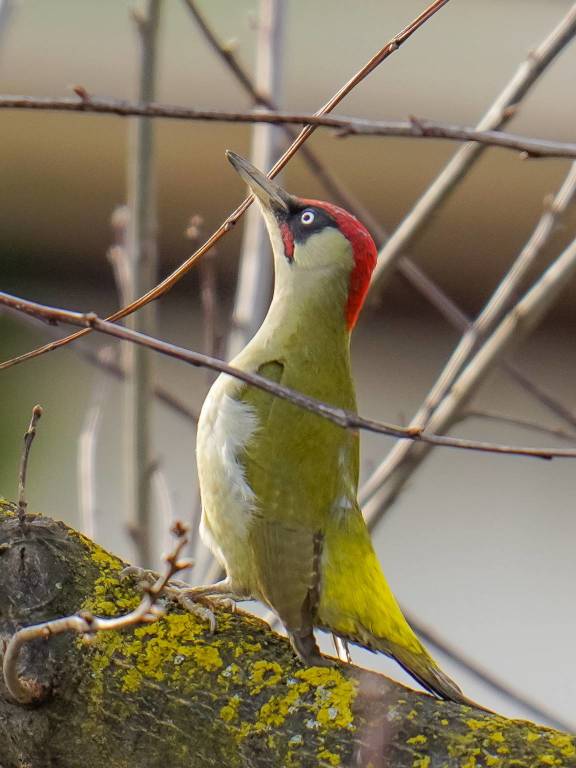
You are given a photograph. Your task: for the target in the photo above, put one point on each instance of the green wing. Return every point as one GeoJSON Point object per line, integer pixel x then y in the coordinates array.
{"type": "Point", "coordinates": [296, 465]}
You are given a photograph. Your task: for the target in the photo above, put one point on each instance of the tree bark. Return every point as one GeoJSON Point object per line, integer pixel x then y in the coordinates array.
{"type": "Point", "coordinates": [170, 695]}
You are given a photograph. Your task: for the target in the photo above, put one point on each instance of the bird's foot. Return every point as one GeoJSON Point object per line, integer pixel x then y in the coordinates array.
{"type": "Point", "coordinates": [200, 606]}
{"type": "Point", "coordinates": [205, 601]}
{"type": "Point", "coordinates": [202, 602]}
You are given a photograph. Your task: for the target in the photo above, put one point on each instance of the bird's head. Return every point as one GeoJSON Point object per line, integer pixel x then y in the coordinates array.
{"type": "Point", "coordinates": [315, 243]}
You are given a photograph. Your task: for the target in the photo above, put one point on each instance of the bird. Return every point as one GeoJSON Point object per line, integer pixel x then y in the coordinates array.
{"type": "Point", "coordinates": [278, 483]}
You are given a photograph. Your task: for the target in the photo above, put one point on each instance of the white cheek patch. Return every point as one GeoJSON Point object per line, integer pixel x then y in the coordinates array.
{"type": "Point", "coordinates": [327, 248]}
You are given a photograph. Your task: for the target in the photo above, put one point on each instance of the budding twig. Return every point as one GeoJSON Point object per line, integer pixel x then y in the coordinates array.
{"type": "Point", "coordinates": [26, 691]}
{"type": "Point", "coordinates": [28, 440]}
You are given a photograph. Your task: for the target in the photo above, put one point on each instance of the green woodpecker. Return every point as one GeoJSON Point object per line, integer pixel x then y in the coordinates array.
{"type": "Point", "coordinates": [278, 483]}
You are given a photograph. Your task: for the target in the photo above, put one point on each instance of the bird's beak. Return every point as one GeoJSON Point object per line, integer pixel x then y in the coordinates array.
{"type": "Point", "coordinates": [270, 194]}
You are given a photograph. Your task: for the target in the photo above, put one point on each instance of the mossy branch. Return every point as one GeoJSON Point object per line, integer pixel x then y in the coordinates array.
{"type": "Point", "coordinates": [172, 694]}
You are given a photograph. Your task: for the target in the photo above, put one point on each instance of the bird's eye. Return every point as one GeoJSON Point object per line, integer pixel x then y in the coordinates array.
{"type": "Point", "coordinates": [307, 218]}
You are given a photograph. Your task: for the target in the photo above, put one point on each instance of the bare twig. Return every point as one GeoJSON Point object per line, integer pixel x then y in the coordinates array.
{"type": "Point", "coordinates": [254, 286]}
{"type": "Point", "coordinates": [142, 252]}
{"type": "Point", "coordinates": [339, 416]}
{"type": "Point", "coordinates": [500, 113]}
{"type": "Point", "coordinates": [519, 321]}
{"type": "Point", "coordinates": [479, 330]}
{"type": "Point", "coordinates": [515, 421]}
{"type": "Point", "coordinates": [416, 128]}
{"type": "Point", "coordinates": [166, 284]}
{"type": "Point", "coordinates": [28, 440]}
{"type": "Point", "coordinates": [543, 396]}
{"type": "Point", "coordinates": [29, 691]}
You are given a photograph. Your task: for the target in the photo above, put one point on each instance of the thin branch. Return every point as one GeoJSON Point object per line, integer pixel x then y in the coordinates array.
{"type": "Point", "coordinates": [498, 115]}
{"type": "Point", "coordinates": [148, 611]}
{"type": "Point", "coordinates": [415, 128]}
{"type": "Point", "coordinates": [543, 396]}
{"type": "Point", "coordinates": [340, 416]}
{"type": "Point", "coordinates": [142, 251]}
{"type": "Point", "coordinates": [166, 284]}
{"type": "Point", "coordinates": [255, 274]}
{"type": "Point", "coordinates": [517, 324]}
{"type": "Point", "coordinates": [480, 329]}
{"type": "Point", "coordinates": [28, 440]}
{"type": "Point", "coordinates": [515, 421]}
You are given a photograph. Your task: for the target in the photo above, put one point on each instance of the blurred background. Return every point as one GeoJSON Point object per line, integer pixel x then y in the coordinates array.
{"type": "Point", "coordinates": [479, 548]}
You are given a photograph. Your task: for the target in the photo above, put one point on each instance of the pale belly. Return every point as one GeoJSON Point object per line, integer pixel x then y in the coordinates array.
{"type": "Point", "coordinates": [224, 428]}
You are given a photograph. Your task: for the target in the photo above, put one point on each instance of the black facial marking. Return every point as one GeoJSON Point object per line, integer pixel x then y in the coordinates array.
{"type": "Point", "coordinates": [308, 220]}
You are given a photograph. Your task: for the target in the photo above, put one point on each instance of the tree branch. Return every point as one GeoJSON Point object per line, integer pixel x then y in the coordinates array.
{"type": "Point", "coordinates": [84, 623]}
{"type": "Point", "coordinates": [515, 421]}
{"type": "Point", "coordinates": [339, 416]}
{"type": "Point", "coordinates": [415, 128]}
{"type": "Point", "coordinates": [170, 692]}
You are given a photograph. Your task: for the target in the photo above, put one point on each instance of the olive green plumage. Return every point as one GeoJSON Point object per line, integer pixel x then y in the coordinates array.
{"type": "Point", "coordinates": [279, 484]}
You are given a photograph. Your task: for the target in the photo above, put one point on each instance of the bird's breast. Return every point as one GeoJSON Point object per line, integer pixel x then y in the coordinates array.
{"type": "Point", "coordinates": [225, 427]}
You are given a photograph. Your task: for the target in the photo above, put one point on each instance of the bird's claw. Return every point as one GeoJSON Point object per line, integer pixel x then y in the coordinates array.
{"type": "Point", "coordinates": [195, 607]}
{"type": "Point", "coordinates": [203, 606]}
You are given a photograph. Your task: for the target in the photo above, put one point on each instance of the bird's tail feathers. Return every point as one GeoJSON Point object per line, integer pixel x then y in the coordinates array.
{"type": "Point", "coordinates": [420, 666]}
{"type": "Point", "coordinates": [426, 672]}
